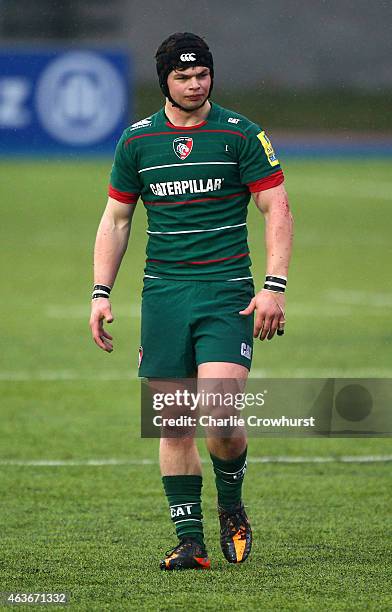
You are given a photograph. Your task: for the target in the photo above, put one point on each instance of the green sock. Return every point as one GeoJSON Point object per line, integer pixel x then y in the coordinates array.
{"type": "Point", "coordinates": [184, 497]}
{"type": "Point", "coordinates": [229, 476]}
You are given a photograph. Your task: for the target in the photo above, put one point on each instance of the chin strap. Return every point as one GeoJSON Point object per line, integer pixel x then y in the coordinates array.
{"type": "Point", "coordinates": [186, 110]}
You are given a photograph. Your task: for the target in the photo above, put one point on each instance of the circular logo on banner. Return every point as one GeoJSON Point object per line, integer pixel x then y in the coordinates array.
{"type": "Point", "coordinates": [80, 98]}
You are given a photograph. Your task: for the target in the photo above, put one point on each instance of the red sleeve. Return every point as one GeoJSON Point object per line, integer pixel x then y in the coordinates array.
{"type": "Point", "coordinates": [123, 196]}
{"type": "Point", "coordinates": [273, 180]}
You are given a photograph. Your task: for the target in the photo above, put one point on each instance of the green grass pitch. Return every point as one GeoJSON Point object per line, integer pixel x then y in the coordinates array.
{"type": "Point", "coordinates": [322, 530]}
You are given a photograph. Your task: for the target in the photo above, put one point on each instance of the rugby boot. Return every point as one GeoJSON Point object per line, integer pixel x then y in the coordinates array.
{"type": "Point", "coordinates": [235, 533]}
{"type": "Point", "coordinates": [188, 554]}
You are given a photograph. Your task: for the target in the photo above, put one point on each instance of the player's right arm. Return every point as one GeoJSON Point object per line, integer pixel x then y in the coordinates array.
{"type": "Point", "coordinates": [110, 245]}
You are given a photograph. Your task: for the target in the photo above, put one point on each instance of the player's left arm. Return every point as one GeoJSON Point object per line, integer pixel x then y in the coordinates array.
{"type": "Point", "coordinates": [269, 305]}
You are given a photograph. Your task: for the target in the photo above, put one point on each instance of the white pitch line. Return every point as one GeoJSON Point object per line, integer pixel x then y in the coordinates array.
{"type": "Point", "coordinates": [66, 375]}
{"type": "Point", "coordinates": [327, 459]}
{"type": "Point", "coordinates": [359, 298]}
{"type": "Point", "coordinates": [132, 375]}
{"type": "Point", "coordinates": [121, 462]}
{"type": "Point", "coordinates": [75, 462]}
{"type": "Point", "coordinates": [321, 373]}
{"type": "Point", "coordinates": [335, 305]}
{"type": "Point", "coordinates": [82, 311]}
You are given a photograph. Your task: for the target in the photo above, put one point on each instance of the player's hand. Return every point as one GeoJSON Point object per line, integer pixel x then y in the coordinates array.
{"type": "Point", "coordinates": [270, 308]}
{"type": "Point", "coordinates": [101, 311]}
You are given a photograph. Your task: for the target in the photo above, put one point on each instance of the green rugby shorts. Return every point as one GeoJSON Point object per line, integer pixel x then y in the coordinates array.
{"type": "Point", "coordinates": [186, 323]}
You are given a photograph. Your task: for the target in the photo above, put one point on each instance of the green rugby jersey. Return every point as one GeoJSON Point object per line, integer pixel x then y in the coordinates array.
{"type": "Point", "coordinates": [195, 183]}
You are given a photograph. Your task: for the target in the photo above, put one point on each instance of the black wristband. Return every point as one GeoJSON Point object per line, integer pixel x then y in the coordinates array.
{"type": "Point", "coordinates": [101, 291]}
{"type": "Point", "coordinates": [275, 283]}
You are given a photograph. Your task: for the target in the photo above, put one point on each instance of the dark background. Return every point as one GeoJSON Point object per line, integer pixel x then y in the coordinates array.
{"type": "Point", "coordinates": [309, 65]}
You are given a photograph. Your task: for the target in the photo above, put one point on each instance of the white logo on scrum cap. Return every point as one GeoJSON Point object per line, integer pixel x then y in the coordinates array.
{"type": "Point", "coordinates": [188, 57]}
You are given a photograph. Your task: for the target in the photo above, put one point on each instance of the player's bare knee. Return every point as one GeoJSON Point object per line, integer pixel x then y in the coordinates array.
{"type": "Point", "coordinates": [177, 443]}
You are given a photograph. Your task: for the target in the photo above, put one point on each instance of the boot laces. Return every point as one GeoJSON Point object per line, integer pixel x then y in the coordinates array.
{"type": "Point", "coordinates": [235, 523]}
{"type": "Point", "coordinates": [184, 543]}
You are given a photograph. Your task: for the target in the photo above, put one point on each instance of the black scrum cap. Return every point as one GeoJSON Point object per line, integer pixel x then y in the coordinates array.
{"type": "Point", "coordinates": [182, 50]}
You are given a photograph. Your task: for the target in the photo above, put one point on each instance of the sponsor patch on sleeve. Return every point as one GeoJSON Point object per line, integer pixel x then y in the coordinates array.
{"type": "Point", "coordinates": [268, 148]}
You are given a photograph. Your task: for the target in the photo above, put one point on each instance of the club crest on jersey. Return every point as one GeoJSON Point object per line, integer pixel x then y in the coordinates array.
{"type": "Point", "coordinates": [183, 146]}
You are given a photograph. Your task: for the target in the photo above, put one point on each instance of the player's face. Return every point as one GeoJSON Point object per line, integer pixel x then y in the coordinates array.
{"type": "Point", "coordinates": [190, 87]}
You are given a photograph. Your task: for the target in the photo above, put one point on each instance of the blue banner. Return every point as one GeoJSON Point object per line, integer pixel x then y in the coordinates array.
{"type": "Point", "coordinates": [63, 101]}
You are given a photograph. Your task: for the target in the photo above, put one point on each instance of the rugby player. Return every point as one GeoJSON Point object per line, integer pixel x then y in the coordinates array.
{"type": "Point", "coordinates": [194, 165]}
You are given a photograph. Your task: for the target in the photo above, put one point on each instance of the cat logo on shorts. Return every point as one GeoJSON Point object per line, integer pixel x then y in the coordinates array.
{"type": "Point", "coordinates": [140, 356]}
{"type": "Point", "coordinates": [268, 148]}
{"type": "Point", "coordinates": [183, 146]}
{"type": "Point", "coordinates": [246, 350]}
